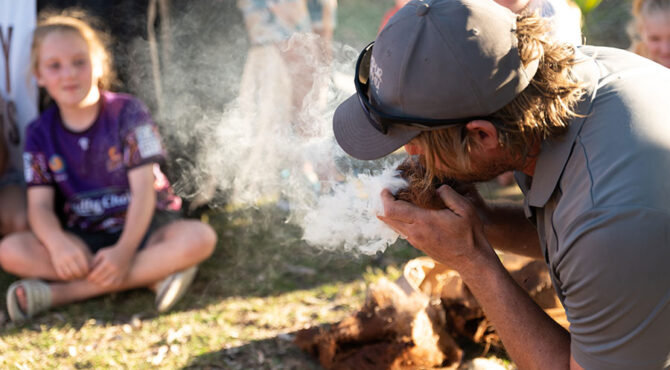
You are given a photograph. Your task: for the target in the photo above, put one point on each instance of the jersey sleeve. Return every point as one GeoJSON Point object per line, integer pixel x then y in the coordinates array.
{"type": "Point", "coordinates": [141, 140]}
{"type": "Point", "coordinates": [614, 277]}
{"type": "Point", "coordinates": [35, 162]}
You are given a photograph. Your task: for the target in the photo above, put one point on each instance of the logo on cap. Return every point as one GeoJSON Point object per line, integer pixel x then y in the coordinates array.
{"type": "Point", "coordinates": [375, 74]}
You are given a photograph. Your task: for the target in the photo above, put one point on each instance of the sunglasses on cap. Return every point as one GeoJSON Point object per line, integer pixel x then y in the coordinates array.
{"type": "Point", "coordinates": [380, 120]}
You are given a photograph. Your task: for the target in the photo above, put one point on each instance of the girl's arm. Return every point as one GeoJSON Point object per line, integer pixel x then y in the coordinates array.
{"type": "Point", "coordinates": [111, 264]}
{"type": "Point", "coordinates": [69, 261]}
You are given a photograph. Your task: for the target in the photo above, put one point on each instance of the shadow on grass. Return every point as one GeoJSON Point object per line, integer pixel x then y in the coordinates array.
{"type": "Point", "coordinates": [258, 254]}
{"type": "Point", "coordinates": [273, 353]}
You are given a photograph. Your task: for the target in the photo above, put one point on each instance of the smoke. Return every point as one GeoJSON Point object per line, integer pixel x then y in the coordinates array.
{"type": "Point", "coordinates": [346, 218]}
{"type": "Point", "coordinates": [239, 138]}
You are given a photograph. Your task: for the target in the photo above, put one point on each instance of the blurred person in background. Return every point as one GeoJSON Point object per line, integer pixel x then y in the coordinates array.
{"type": "Point", "coordinates": [283, 87]}
{"type": "Point", "coordinates": [323, 15]}
{"type": "Point", "coordinates": [18, 106]}
{"type": "Point", "coordinates": [650, 30]}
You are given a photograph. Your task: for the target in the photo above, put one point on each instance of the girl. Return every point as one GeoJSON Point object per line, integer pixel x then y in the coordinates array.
{"type": "Point", "coordinates": [650, 30]}
{"type": "Point", "coordinates": [100, 209]}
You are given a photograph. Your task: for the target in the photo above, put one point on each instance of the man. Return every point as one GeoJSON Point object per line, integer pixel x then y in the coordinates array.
{"type": "Point", "coordinates": [476, 91]}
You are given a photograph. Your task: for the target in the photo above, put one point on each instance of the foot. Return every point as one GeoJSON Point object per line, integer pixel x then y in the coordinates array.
{"type": "Point", "coordinates": [170, 290]}
{"type": "Point", "coordinates": [26, 298]}
{"type": "Point", "coordinates": [21, 297]}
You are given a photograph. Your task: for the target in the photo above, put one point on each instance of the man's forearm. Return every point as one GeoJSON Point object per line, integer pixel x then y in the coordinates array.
{"type": "Point", "coordinates": [507, 229]}
{"type": "Point", "coordinates": [530, 336]}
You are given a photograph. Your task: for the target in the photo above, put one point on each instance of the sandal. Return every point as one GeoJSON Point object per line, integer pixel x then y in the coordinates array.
{"type": "Point", "coordinates": [173, 287]}
{"type": "Point", "coordinates": [38, 299]}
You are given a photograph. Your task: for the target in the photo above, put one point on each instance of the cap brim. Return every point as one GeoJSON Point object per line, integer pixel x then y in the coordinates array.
{"type": "Point", "coordinates": [360, 139]}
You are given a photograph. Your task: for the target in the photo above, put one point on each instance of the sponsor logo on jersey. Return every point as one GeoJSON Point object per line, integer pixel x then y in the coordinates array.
{"type": "Point", "coordinates": [56, 164]}
{"type": "Point", "coordinates": [98, 206]}
{"type": "Point", "coordinates": [148, 142]}
{"type": "Point", "coordinates": [115, 159]}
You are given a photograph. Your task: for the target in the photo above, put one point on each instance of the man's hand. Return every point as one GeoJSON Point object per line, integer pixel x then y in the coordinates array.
{"type": "Point", "coordinates": [69, 261]}
{"type": "Point", "coordinates": [453, 236]}
{"type": "Point", "coordinates": [110, 266]}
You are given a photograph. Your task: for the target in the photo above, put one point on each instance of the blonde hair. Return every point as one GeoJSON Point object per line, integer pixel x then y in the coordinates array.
{"type": "Point", "coordinates": [77, 21]}
{"type": "Point", "coordinates": [542, 110]}
{"type": "Point", "coordinates": [640, 10]}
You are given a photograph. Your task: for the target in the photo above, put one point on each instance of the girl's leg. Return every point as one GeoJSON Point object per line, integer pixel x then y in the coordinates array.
{"type": "Point", "coordinates": [173, 247]}
{"type": "Point", "coordinates": [21, 254]}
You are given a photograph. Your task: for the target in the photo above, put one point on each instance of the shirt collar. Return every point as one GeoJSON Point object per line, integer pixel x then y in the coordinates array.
{"type": "Point", "coordinates": [555, 151]}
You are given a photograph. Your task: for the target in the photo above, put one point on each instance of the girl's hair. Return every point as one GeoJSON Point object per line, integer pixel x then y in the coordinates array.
{"type": "Point", "coordinates": [540, 111]}
{"type": "Point", "coordinates": [640, 10]}
{"type": "Point", "coordinates": [77, 21]}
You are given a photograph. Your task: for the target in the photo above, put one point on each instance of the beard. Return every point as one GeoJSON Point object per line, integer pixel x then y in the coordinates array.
{"type": "Point", "coordinates": [479, 171]}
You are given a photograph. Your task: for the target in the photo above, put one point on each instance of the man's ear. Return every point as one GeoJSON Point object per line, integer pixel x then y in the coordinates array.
{"type": "Point", "coordinates": [483, 134]}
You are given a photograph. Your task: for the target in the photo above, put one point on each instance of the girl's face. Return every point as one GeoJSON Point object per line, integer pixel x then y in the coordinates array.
{"type": "Point", "coordinates": [66, 70]}
{"type": "Point", "coordinates": [656, 36]}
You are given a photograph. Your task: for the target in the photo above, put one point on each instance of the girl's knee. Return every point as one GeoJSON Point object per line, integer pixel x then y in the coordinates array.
{"type": "Point", "coordinates": [208, 239]}
{"type": "Point", "coordinates": [11, 258]}
{"type": "Point", "coordinates": [203, 239]}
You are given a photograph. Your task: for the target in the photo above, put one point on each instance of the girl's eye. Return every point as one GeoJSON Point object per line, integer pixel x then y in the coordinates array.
{"type": "Point", "coordinates": [53, 66]}
{"type": "Point", "coordinates": [79, 62]}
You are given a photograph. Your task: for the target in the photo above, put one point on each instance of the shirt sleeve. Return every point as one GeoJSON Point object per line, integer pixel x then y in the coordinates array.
{"type": "Point", "coordinates": [614, 277]}
{"type": "Point", "coordinates": [141, 140]}
{"type": "Point", "coordinates": [35, 162]}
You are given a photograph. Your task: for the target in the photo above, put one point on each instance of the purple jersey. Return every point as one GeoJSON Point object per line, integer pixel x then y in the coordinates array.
{"type": "Point", "coordinates": [90, 168]}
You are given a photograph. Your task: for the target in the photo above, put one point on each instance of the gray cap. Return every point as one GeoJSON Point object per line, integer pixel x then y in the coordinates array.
{"type": "Point", "coordinates": [441, 59]}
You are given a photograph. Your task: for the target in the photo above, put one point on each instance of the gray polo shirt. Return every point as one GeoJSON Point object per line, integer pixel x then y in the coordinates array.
{"type": "Point", "coordinates": [600, 198]}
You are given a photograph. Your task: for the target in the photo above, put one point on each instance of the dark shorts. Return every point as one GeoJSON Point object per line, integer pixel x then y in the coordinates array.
{"type": "Point", "coordinates": [96, 240]}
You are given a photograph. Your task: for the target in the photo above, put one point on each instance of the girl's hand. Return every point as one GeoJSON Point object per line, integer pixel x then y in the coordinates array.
{"type": "Point", "coordinates": [453, 236]}
{"type": "Point", "coordinates": [110, 266]}
{"type": "Point", "coordinates": [69, 261]}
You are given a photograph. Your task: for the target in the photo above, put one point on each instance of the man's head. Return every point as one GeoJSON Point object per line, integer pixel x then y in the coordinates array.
{"type": "Point", "coordinates": [441, 64]}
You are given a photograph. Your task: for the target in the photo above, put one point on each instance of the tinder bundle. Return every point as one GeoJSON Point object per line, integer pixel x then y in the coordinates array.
{"type": "Point", "coordinates": [420, 321]}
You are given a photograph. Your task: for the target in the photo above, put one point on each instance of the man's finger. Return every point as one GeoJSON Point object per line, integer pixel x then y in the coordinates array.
{"type": "Point", "coordinates": [454, 201]}
{"type": "Point", "coordinates": [400, 227]}
{"type": "Point", "coordinates": [398, 210]}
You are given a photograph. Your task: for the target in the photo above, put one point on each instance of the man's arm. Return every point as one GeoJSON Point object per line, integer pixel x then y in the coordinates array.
{"type": "Point", "coordinates": [507, 229]}
{"type": "Point", "coordinates": [455, 237]}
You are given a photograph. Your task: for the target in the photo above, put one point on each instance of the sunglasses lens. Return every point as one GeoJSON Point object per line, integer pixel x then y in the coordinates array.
{"type": "Point", "coordinates": [364, 65]}
{"type": "Point", "coordinates": [363, 72]}
{"type": "Point", "coordinates": [374, 120]}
